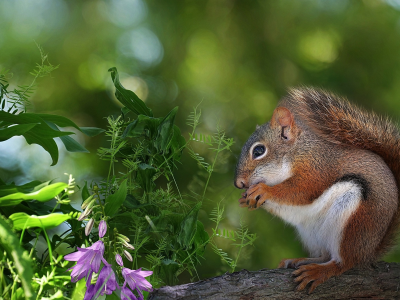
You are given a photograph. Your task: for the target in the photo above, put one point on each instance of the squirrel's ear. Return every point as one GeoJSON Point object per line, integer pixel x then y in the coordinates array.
{"type": "Point", "coordinates": [284, 119]}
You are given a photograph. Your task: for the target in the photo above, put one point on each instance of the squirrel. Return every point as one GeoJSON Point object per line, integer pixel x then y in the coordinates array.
{"type": "Point", "coordinates": [330, 169]}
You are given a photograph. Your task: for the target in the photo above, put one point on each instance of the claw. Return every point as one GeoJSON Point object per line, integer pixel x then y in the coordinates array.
{"type": "Point", "coordinates": [315, 273]}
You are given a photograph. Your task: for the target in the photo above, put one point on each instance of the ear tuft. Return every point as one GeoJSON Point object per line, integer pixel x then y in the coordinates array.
{"type": "Point", "coordinates": [257, 126]}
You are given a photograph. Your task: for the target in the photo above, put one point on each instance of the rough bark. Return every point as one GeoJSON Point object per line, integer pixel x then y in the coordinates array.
{"type": "Point", "coordinates": [381, 281]}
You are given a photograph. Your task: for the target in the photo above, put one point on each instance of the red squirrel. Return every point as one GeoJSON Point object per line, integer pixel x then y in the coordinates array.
{"type": "Point", "coordinates": [331, 170]}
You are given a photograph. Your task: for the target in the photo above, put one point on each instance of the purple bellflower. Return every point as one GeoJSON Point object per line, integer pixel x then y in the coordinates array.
{"type": "Point", "coordinates": [118, 259]}
{"type": "Point", "coordinates": [106, 283]}
{"type": "Point", "coordinates": [102, 228]}
{"type": "Point", "coordinates": [88, 261]}
{"type": "Point", "coordinates": [90, 291]}
{"type": "Point", "coordinates": [126, 294]}
{"type": "Point", "coordinates": [136, 280]}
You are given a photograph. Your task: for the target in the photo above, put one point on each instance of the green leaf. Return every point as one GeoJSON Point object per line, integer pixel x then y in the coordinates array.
{"type": "Point", "coordinates": [45, 131]}
{"type": "Point", "coordinates": [201, 238]}
{"type": "Point", "coordinates": [127, 97]}
{"type": "Point", "coordinates": [58, 120]}
{"type": "Point", "coordinates": [188, 227]}
{"type": "Point", "coordinates": [44, 194]}
{"type": "Point", "coordinates": [165, 130]}
{"type": "Point", "coordinates": [113, 296]}
{"type": "Point", "coordinates": [149, 209]}
{"type": "Point", "coordinates": [41, 127]}
{"type": "Point", "coordinates": [10, 243]}
{"type": "Point", "coordinates": [55, 296]}
{"type": "Point", "coordinates": [85, 192]}
{"type": "Point", "coordinates": [22, 220]}
{"type": "Point", "coordinates": [177, 143]}
{"type": "Point", "coordinates": [65, 122]}
{"type": "Point", "coordinates": [168, 271]}
{"type": "Point", "coordinates": [144, 177]}
{"type": "Point", "coordinates": [48, 144]}
{"type": "Point", "coordinates": [70, 144]}
{"type": "Point", "coordinates": [125, 111]}
{"type": "Point", "coordinates": [142, 125]}
{"type": "Point", "coordinates": [170, 223]}
{"type": "Point", "coordinates": [23, 118]}
{"type": "Point", "coordinates": [91, 131]}
{"type": "Point", "coordinates": [12, 188]}
{"type": "Point", "coordinates": [15, 130]}
{"type": "Point", "coordinates": [79, 290]}
{"type": "Point", "coordinates": [41, 134]}
{"type": "Point", "coordinates": [114, 201]}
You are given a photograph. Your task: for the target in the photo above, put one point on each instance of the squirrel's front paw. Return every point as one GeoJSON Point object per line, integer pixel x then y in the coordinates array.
{"type": "Point", "coordinates": [256, 195]}
{"type": "Point", "coordinates": [243, 202]}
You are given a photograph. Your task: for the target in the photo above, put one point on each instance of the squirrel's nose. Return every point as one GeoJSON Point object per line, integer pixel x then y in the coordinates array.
{"type": "Point", "coordinates": [240, 183]}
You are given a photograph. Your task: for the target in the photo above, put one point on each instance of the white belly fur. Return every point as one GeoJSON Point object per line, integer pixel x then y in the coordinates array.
{"type": "Point", "coordinates": [321, 223]}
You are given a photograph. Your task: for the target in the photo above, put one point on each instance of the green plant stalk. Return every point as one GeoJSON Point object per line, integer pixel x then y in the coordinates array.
{"type": "Point", "coordinates": [13, 286]}
{"type": "Point", "coordinates": [101, 204]}
{"type": "Point", "coordinates": [136, 242]}
{"type": "Point", "coordinates": [10, 243]}
{"type": "Point", "coordinates": [193, 265]}
{"type": "Point", "coordinates": [49, 247]}
{"type": "Point", "coordinates": [34, 246]}
{"type": "Point", "coordinates": [238, 254]}
{"type": "Point", "coordinates": [211, 169]}
{"type": "Point", "coordinates": [56, 246]}
{"type": "Point", "coordinates": [1, 279]}
{"type": "Point", "coordinates": [114, 137]}
{"type": "Point", "coordinates": [22, 233]}
{"type": "Point", "coordinates": [211, 239]}
{"type": "Point", "coordinates": [6, 289]}
{"type": "Point", "coordinates": [176, 185]}
{"type": "Point", "coordinates": [47, 279]}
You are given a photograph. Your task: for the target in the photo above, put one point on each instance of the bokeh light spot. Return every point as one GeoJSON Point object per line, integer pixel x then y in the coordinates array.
{"type": "Point", "coordinates": [32, 18]}
{"type": "Point", "coordinates": [319, 47]}
{"type": "Point", "coordinates": [142, 44]}
{"type": "Point", "coordinates": [124, 13]}
{"type": "Point", "coordinates": [137, 85]}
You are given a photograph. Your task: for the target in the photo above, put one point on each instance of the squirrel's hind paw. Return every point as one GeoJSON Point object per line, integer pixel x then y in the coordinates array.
{"type": "Point", "coordinates": [315, 273]}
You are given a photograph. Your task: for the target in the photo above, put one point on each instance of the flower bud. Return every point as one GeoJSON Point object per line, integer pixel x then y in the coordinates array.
{"type": "Point", "coordinates": [102, 228]}
{"type": "Point", "coordinates": [89, 226]}
{"type": "Point", "coordinates": [124, 237]}
{"type": "Point", "coordinates": [91, 204]}
{"type": "Point", "coordinates": [126, 245]}
{"type": "Point", "coordinates": [118, 259]}
{"type": "Point", "coordinates": [86, 202]}
{"type": "Point", "coordinates": [85, 214]}
{"type": "Point", "coordinates": [128, 255]}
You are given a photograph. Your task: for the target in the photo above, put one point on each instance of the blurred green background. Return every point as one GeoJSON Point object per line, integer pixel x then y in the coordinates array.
{"type": "Point", "coordinates": [235, 57]}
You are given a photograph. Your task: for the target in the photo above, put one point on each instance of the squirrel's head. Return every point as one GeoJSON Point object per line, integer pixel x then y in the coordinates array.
{"type": "Point", "coordinates": [264, 156]}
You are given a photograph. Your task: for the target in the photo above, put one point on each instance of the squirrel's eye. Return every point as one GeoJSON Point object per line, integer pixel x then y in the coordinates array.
{"type": "Point", "coordinates": [258, 151]}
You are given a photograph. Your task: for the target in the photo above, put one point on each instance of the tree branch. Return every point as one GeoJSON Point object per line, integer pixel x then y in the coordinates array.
{"type": "Point", "coordinates": [382, 281]}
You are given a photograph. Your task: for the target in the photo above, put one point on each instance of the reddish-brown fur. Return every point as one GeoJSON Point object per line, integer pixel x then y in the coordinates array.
{"type": "Point", "coordinates": [327, 138]}
{"type": "Point", "coordinates": [340, 122]}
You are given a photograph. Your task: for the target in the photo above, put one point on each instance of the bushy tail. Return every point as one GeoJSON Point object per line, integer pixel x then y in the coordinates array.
{"type": "Point", "coordinates": [341, 122]}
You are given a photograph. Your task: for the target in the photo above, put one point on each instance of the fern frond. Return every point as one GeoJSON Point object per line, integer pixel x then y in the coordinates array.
{"type": "Point", "coordinates": [200, 160]}
{"type": "Point", "coordinates": [201, 138]}
{"type": "Point", "coordinates": [193, 119]}
{"type": "Point", "coordinates": [223, 255]}
{"type": "Point", "coordinates": [217, 213]}
{"type": "Point", "coordinates": [224, 233]}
